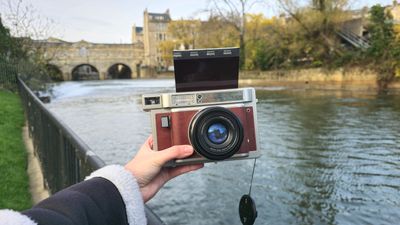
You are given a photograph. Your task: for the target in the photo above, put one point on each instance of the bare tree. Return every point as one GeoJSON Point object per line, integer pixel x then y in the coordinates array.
{"type": "Point", "coordinates": [30, 30]}
{"type": "Point", "coordinates": [29, 26]}
{"type": "Point", "coordinates": [25, 21]}
{"type": "Point", "coordinates": [233, 12]}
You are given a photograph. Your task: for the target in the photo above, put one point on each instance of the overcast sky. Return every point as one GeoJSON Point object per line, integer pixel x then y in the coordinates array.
{"type": "Point", "coordinates": [110, 21]}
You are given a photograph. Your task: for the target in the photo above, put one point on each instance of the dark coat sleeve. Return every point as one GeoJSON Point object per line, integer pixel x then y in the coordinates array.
{"type": "Point", "coordinates": [93, 202]}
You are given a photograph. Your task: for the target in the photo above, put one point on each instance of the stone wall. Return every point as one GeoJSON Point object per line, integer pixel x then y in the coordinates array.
{"type": "Point", "coordinates": [68, 55]}
{"type": "Point", "coordinates": [354, 78]}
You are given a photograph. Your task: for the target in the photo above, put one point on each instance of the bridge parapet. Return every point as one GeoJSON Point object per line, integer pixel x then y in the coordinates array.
{"type": "Point", "coordinates": [67, 56]}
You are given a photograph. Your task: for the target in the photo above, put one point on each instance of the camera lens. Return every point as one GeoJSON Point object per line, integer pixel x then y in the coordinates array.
{"type": "Point", "coordinates": [216, 133]}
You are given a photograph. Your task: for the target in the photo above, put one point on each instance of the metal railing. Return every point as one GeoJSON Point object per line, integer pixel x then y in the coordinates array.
{"type": "Point", "coordinates": [354, 39]}
{"type": "Point", "coordinates": [8, 78]}
{"type": "Point", "coordinates": [65, 158]}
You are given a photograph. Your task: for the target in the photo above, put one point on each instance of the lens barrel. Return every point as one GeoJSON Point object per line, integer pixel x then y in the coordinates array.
{"type": "Point", "coordinates": [216, 133]}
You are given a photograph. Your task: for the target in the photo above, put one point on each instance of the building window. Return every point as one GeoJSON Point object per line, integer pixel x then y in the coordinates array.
{"type": "Point", "coordinates": [161, 26]}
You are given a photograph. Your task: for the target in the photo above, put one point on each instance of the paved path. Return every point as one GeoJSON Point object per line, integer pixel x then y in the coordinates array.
{"type": "Point", "coordinates": [35, 174]}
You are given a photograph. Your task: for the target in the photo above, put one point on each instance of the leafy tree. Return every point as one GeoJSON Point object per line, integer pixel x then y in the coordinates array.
{"type": "Point", "coordinates": [269, 57]}
{"type": "Point", "coordinates": [385, 47]}
{"type": "Point", "coordinates": [214, 33]}
{"type": "Point", "coordinates": [9, 47]}
{"type": "Point", "coordinates": [257, 28]}
{"type": "Point", "coordinates": [396, 29]}
{"type": "Point", "coordinates": [382, 33]}
{"type": "Point", "coordinates": [166, 48]}
{"type": "Point", "coordinates": [5, 39]}
{"type": "Point", "coordinates": [20, 43]}
{"type": "Point", "coordinates": [185, 32]}
{"type": "Point", "coordinates": [319, 20]}
{"type": "Point", "coordinates": [9, 51]}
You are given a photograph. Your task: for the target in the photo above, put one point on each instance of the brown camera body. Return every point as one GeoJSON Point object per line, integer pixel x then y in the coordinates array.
{"type": "Point", "coordinates": [185, 119]}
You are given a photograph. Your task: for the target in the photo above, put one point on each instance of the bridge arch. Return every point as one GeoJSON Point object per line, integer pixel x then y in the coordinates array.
{"type": "Point", "coordinates": [119, 71]}
{"type": "Point", "coordinates": [85, 72]}
{"type": "Point", "coordinates": [54, 72]}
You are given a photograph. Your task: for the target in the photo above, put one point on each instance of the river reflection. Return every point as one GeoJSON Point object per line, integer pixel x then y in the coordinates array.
{"type": "Point", "coordinates": [328, 157]}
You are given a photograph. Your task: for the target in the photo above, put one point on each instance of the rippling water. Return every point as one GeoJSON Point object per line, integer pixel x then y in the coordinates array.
{"type": "Point", "coordinates": [329, 157]}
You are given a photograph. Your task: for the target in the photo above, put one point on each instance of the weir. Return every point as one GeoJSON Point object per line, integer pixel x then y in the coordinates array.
{"type": "Point", "coordinates": [65, 159]}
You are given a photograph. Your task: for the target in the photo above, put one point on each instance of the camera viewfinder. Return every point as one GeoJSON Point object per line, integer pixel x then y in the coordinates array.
{"type": "Point", "coordinates": [152, 100]}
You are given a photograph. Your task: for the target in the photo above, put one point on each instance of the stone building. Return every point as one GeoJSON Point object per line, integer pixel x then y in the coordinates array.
{"type": "Point", "coordinates": [153, 32]}
{"type": "Point", "coordinates": [137, 34]}
{"type": "Point", "coordinates": [84, 60]}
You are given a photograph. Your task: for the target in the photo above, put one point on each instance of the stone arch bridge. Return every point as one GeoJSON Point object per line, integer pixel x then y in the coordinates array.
{"type": "Point", "coordinates": [91, 61]}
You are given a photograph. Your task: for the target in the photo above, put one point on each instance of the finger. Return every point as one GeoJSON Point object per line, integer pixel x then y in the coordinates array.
{"type": "Point", "coordinates": [174, 152]}
{"type": "Point", "coordinates": [174, 172]}
{"type": "Point", "coordinates": [150, 141]}
{"type": "Point", "coordinates": [148, 144]}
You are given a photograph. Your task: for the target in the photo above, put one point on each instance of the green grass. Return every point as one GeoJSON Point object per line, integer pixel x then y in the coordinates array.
{"type": "Point", "coordinates": [14, 182]}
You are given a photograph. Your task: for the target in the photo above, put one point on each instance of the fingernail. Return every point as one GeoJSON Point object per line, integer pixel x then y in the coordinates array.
{"type": "Point", "coordinates": [188, 149]}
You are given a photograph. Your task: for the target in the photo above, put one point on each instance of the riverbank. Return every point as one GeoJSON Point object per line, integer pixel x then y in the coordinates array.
{"type": "Point", "coordinates": [317, 78]}
{"type": "Point", "coordinates": [354, 79]}
{"type": "Point", "coordinates": [14, 188]}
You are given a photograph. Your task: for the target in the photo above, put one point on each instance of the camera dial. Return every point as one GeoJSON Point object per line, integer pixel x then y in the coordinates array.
{"type": "Point", "coordinates": [216, 133]}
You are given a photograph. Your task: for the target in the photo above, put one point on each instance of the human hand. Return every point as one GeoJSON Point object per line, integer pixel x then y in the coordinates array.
{"type": "Point", "coordinates": [147, 166]}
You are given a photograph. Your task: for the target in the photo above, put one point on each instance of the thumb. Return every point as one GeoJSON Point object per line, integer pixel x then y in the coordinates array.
{"type": "Point", "coordinates": [174, 152]}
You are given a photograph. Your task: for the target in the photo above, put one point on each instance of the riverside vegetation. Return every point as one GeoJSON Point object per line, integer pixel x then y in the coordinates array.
{"type": "Point", "coordinates": [20, 57]}
{"type": "Point", "coordinates": [14, 188]}
{"type": "Point", "coordinates": [303, 37]}
{"type": "Point", "coordinates": [15, 58]}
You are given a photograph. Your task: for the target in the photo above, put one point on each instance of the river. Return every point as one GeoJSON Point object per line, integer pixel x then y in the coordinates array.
{"type": "Point", "coordinates": [328, 157]}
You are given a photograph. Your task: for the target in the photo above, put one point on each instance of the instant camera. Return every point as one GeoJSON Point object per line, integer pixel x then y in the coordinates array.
{"type": "Point", "coordinates": [208, 110]}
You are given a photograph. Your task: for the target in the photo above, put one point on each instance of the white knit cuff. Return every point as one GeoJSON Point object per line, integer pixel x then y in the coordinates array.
{"type": "Point", "coordinates": [129, 190]}
{"type": "Point", "coordinates": [10, 217]}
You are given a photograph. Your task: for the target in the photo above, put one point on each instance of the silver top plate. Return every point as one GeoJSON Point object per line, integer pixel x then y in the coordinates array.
{"type": "Point", "coordinates": [188, 99]}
